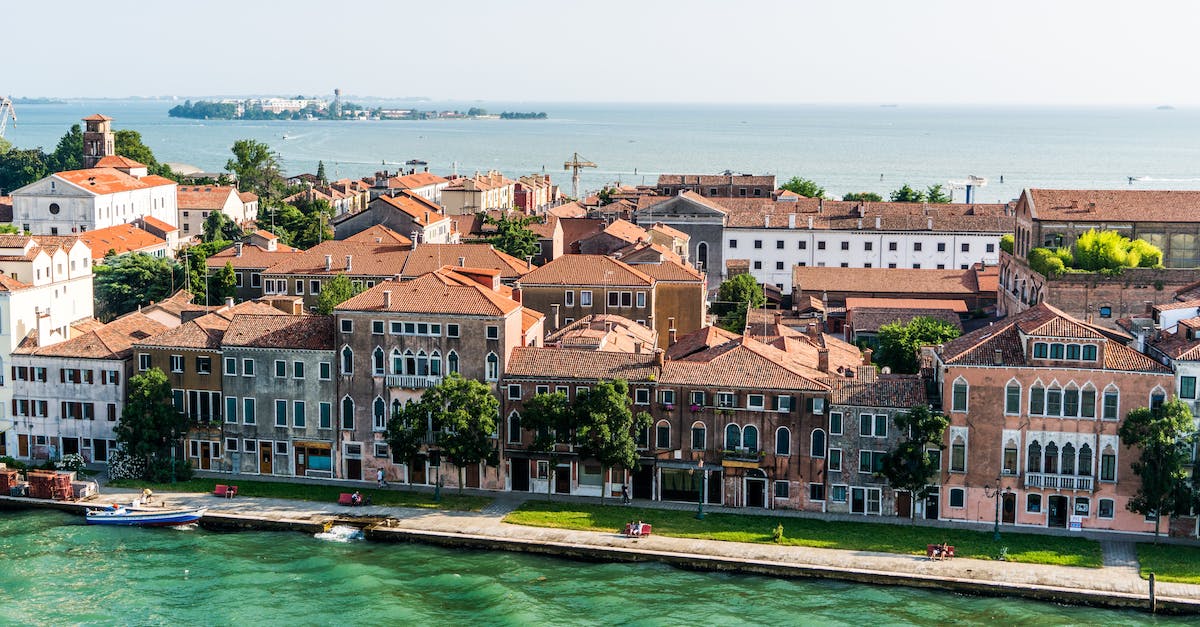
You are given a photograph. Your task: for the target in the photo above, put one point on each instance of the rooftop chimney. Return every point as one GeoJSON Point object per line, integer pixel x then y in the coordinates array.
{"type": "Point", "coordinates": [820, 205]}
{"type": "Point", "coordinates": [878, 222]}
{"type": "Point", "coordinates": [462, 262]}
{"type": "Point", "coordinates": [349, 262]}
{"type": "Point", "coordinates": [516, 294]}
{"type": "Point", "coordinates": [554, 314]}
{"type": "Point", "coordinates": [998, 357]}
{"type": "Point", "coordinates": [660, 357]}
{"type": "Point", "coordinates": [529, 262]}
{"type": "Point", "coordinates": [867, 353]}
{"type": "Point", "coordinates": [929, 223]}
{"type": "Point", "coordinates": [229, 301]}
{"type": "Point", "coordinates": [387, 299]}
{"type": "Point", "coordinates": [767, 221]}
{"type": "Point", "coordinates": [238, 248]}
{"type": "Point", "coordinates": [672, 336]}
{"type": "Point", "coordinates": [823, 359]}
{"type": "Point", "coordinates": [328, 263]}
{"type": "Point", "coordinates": [860, 224]}
{"type": "Point", "coordinates": [810, 221]}
{"type": "Point", "coordinates": [791, 220]}
{"type": "Point", "coordinates": [778, 317]}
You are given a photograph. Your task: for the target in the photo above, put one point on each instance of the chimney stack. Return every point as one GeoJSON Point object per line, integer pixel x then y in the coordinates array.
{"type": "Point", "coordinates": [328, 263]}
{"type": "Point", "coordinates": [349, 262]}
{"type": "Point", "coordinates": [387, 299]}
{"type": "Point", "coordinates": [767, 221]}
{"type": "Point", "coordinates": [810, 222]}
{"type": "Point", "coordinates": [228, 301]}
{"type": "Point", "coordinates": [554, 314]}
{"type": "Point", "coordinates": [878, 223]}
{"type": "Point", "coordinates": [516, 294]}
{"type": "Point", "coordinates": [462, 262]}
{"type": "Point", "coordinates": [791, 220]}
{"type": "Point", "coordinates": [998, 357]}
{"type": "Point", "coordinates": [238, 248]}
{"type": "Point", "coordinates": [823, 359]}
{"type": "Point", "coordinates": [867, 354]}
{"type": "Point", "coordinates": [778, 317]}
{"type": "Point", "coordinates": [672, 336]}
{"type": "Point", "coordinates": [529, 262]}
{"type": "Point", "coordinates": [660, 357]}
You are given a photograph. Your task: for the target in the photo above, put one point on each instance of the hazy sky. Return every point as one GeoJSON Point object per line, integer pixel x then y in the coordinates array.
{"type": "Point", "coordinates": [886, 51]}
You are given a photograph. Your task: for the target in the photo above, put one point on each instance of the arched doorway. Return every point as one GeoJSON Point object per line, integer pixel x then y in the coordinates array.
{"type": "Point", "coordinates": [756, 488]}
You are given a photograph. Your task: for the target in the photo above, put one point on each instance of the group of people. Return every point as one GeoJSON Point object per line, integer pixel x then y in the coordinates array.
{"type": "Point", "coordinates": [633, 528]}
{"type": "Point", "coordinates": [941, 551]}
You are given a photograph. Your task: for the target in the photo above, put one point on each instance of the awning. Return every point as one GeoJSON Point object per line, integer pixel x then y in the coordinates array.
{"type": "Point", "coordinates": [327, 445]}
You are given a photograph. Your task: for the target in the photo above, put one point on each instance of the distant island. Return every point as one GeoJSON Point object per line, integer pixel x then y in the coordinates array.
{"type": "Point", "coordinates": [300, 108]}
{"type": "Point", "coordinates": [37, 101]}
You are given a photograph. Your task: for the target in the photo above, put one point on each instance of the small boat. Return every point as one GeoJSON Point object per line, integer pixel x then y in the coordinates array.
{"type": "Point", "coordinates": [143, 518]}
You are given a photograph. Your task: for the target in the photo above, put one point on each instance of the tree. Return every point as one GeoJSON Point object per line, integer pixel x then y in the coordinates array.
{"type": "Point", "coordinates": [19, 168]}
{"type": "Point", "coordinates": [257, 168]}
{"type": "Point", "coordinates": [220, 227]}
{"type": "Point", "coordinates": [863, 197]}
{"type": "Point", "coordinates": [68, 155]}
{"type": "Point", "coordinates": [605, 427]}
{"type": "Point", "coordinates": [321, 173]}
{"type": "Point", "coordinates": [737, 295]}
{"type": "Point", "coordinates": [1164, 435]}
{"type": "Point", "coordinates": [907, 194]}
{"type": "Point", "coordinates": [5, 145]}
{"type": "Point", "coordinates": [935, 195]}
{"type": "Point", "coordinates": [552, 420]}
{"type": "Point", "coordinates": [406, 431]}
{"type": "Point", "coordinates": [899, 343]}
{"type": "Point", "coordinates": [804, 187]}
{"type": "Point", "coordinates": [129, 144]}
{"type": "Point", "coordinates": [223, 284]}
{"type": "Point", "coordinates": [1007, 242]}
{"type": "Point", "coordinates": [10, 229]}
{"type": "Point", "coordinates": [122, 284]}
{"type": "Point", "coordinates": [513, 235]}
{"type": "Point", "coordinates": [150, 425]}
{"type": "Point", "coordinates": [1109, 250]}
{"type": "Point", "coordinates": [909, 466]}
{"type": "Point", "coordinates": [466, 411]}
{"type": "Point", "coordinates": [336, 291]}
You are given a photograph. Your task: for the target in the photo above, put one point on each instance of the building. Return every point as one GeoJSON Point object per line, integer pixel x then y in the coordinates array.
{"type": "Point", "coordinates": [279, 393]}
{"type": "Point", "coordinates": [974, 286]}
{"type": "Point", "coordinates": [424, 184]}
{"type": "Point", "coordinates": [68, 396]}
{"type": "Point", "coordinates": [75, 201]}
{"type": "Point", "coordinates": [701, 219]}
{"type": "Point", "coordinates": [1035, 403]}
{"type": "Point", "coordinates": [250, 258]}
{"type": "Point", "coordinates": [535, 193]}
{"type": "Point", "coordinates": [614, 237]}
{"type": "Point", "coordinates": [865, 316]}
{"type": "Point", "coordinates": [162, 230]}
{"type": "Point", "coordinates": [471, 194]}
{"type": "Point", "coordinates": [405, 213]}
{"type": "Point", "coordinates": [605, 332]}
{"type": "Point", "coordinates": [399, 338]}
{"type": "Point", "coordinates": [728, 185]}
{"type": "Point", "coordinates": [98, 139]}
{"type": "Point", "coordinates": [196, 202]}
{"type": "Point", "coordinates": [123, 239]}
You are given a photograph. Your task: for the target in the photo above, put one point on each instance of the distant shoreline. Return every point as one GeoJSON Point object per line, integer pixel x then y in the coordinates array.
{"type": "Point", "coordinates": [312, 109]}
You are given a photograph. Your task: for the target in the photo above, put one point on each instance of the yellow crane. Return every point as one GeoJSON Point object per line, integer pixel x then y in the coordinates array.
{"type": "Point", "coordinates": [6, 111]}
{"type": "Point", "coordinates": [576, 164]}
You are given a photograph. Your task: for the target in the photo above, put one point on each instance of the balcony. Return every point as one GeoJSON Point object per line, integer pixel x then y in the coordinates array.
{"type": "Point", "coordinates": [1059, 482]}
{"type": "Point", "coordinates": [411, 381]}
{"type": "Point", "coordinates": [742, 454]}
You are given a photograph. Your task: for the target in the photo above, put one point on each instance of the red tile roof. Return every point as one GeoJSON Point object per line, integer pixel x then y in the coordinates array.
{"type": "Point", "coordinates": [587, 270]}
{"type": "Point", "coordinates": [957, 306]}
{"type": "Point", "coordinates": [204, 197]}
{"type": "Point", "coordinates": [422, 211]}
{"type": "Point", "coordinates": [120, 238]}
{"type": "Point", "coordinates": [158, 224]}
{"type": "Point", "coordinates": [252, 257]}
{"type": "Point", "coordinates": [444, 292]}
{"type": "Point", "coordinates": [110, 341]}
{"type": "Point", "coordinates": [557, 364]}
{"type": "Point", "coordinates": [1109, 205]}
{"type": "Point", "coordinates": [286, 332]}
{"type": "Point", "coordinates": [743, 363]}
{"type": "Point", "coordinates": [430, 257]}
{"type": "Point", "coordinates": [885, 280]}
{"type": "Point", "coordinates": [379, 234]}
{"type": "Point", "coordinates": [103, 181]}
{"type": "Point", "coordinates": [117, 161]}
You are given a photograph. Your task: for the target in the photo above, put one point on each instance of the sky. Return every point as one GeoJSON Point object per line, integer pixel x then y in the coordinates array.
{"type": "Point", "coordinates": [1043, 52]}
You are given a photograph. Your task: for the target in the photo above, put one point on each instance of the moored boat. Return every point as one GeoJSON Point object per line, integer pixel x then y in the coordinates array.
{"type": "Point", "coordinates": [143, 518]}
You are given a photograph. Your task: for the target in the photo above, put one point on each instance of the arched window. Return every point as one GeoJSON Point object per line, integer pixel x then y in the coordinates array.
{"type": "Point", "coordinates": [1054, 400]}
{"type": "Point", "coordinates": [783, 441]}
{"type": "Point", "coordinates": [1071, 401]}
{"type": "Point", "coordinates": [1157, 397]}
{"type": "Point", "coordinates": [396, 408]}
{"type": "Point", "coordinates": [733, 437]}
{"type": "Point", "coordinates": [662, 434]}
{"type": "Point", "coordinates": [1068, 459]}
{"type": "Point", "coordinates": [1087, 401]}
{"type": "Point", "coordinates": [1034, 457]}
{"type": "Point", "coordinates": [1051, 465]}
{"type": "Point", "coordinates": [422, 364]}
{"type": "Point", "coordinates": [702, 256]}
{"type": "Point", "coordinates": [347, 360]}
{"type": "Point", "coordinates": [514, 428]}
{"type": "Point", "coordinates": [493, 367]}
{"type": "Point", "coordinates": [452, 362]}
{"type": "Point", "coordinates": [1037, 399]}
{"type": "Point", "coordinates": [959, 395]}
{"type": "Point", "coordinates": [1012, 398]}
{"type": "Point", "coordinates": [347, 413]}
{"type": "Point", "coordinates": [377, 361]}
{"type": "Point", "coordinates": [380, 422]}
{"type": "Point", "coordinates": [410, 362]}
{"type": "Point", "coordinates": [699, 436]}
{"type": "Point", "coordinates": [1085, 461]}
{"type": "Point", "coordinates": [817, 446]}
{"type": "Point", "coordinates": [435, 364]}
{"type": "Point", "coordinates": [397, 362]}
{"type": "Point", "coordinates": [750, 437]}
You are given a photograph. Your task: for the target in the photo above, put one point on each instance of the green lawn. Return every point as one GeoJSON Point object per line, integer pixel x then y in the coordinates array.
{"type": "Point", "coordinates": [855, 536]}
{"type": "Point", "coordinates": [1170, 562]}
{"type": "Point", "coordinates": [316, 492]}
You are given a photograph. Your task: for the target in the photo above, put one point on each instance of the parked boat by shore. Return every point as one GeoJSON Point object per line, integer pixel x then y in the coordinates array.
{"type": "Point", "coordinates": [143, 518]}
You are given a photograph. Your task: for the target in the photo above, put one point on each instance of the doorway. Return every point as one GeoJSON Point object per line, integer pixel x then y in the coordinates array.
{"type": "Point", "coordinates": [903, 504]}
{"type": "Point", "coordinates": [932, 503]}
{"type": "Point", "coordinates": [562, 479]}
{"type": "Point", "coordinates": [1058, 510]}
{"type": "Point", "coordinates": [756, 492]}
{"type": "Point", "coordinates": [22, 445]}
{"type": "Point", "coordinates": [714, 487]}
{"type": "Point", "coordinates": [643, 482]}
{"type": "Point", "coordinates": [416, 471]}
{"type": "Point", "coordinates": [205, 460]}
{"type": "Point", "coordinates": [70, 446]}
{"type": "Point", "coordinates": [472, 474]}
{"type": "Point", "coordinates": [520, 474]}
{"type": "Point", "coordinates": [301, 461]}
{"type": "Point", "coordinates": [266, 458]}
{"type": "Point", "coordinates": [1008, 509]}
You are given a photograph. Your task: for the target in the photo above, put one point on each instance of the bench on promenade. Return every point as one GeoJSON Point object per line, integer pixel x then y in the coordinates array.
{"type": "Point", "coordinates": [644, 531]}
{"type": "Point", "coordinates": [939, 551]}
{"type": "Point", "coordinates": [345, 498]}
{"type": "Point", "coordinates": [226, 491]}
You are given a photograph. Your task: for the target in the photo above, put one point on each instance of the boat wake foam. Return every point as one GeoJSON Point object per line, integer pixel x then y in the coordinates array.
{"type": "Point", "coordinates": [341, 533]}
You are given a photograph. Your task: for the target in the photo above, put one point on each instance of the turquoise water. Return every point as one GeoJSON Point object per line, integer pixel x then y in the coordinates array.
{"type": "Point", "coordinates": [844, 148]}
{"type": "Point", "coordinates": [54, 570]}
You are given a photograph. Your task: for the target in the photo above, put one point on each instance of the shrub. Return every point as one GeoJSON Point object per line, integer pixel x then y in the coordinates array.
{"type": "Point", "coordinates": [1006, 243]}
{"type": "Point", "coordinates": [1045, 262]}
{"type": "Point", "coordinates": [71, 461]}
{"type": "Point", "coordinates": [12, 463]}
{"type": "Point", "coordinates": [1107, 252]}
{"type": "Point", "coordinates": [777, 534]}
{"type": "Point", "coordinates": [123, 466]}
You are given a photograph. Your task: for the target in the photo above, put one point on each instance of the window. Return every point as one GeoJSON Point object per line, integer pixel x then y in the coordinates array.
{"type": "Point", "coordinates": [783, 403]}
{"type": "Point", "coordinates": [957, 497]}
{"type": "Point", "coordinates": [816, 448]}
{"type": "Point", "coordinates": [514, 428]}
{"type": "Point", "coordinates": [698, 398]}
{"type": "Point", "coordinates": [1012, 398]}
{"type": "Point", "coordinates": [325, 371]}
{"type": "Point", "coordinates": [347, 325]}
{"type": "Point", "coordinates": [585, 298]}
{"type": "Point", "coordinates": [627, 299]}
{"type": "Point", "coordinates": [247, 367]}
{"type": "Point", "coordinates": [297, 370]}
{"type": "Point", "coordinates": [377, 362]}
{"type": "Point", "coordinates": [870, 462]}
{"type": "Point", "coordinates": [1010, 460]}
{"type": "Point", "coordinates": [347, 413]}
{"type": "Point", "coordinates": [493, 332]}
{"type": "Point", "coordinates": [698, 436]}
{"type": "Point", "coordinates": [1034, 457]}
{"type": "Point", "coordinates": [1057, 351]}
{"type": "Point", "coordinates": [1105, 508]}
{"type": "Point", "coordinates": [991, 248]}
{"type": "Point", "coordinates": [230, 366]}
{"type": "Point", "coordinates": [379, 415]}
{"type": "Point", "coordinates": [514, 392]}
{"type": "Point", "coordinates": [143, 361]}
{"type": "Point", "coordinates": [733, 437]}
{"type": "Point", "coordinates": [835, 459]}
{"type": "Point", "coordinates": [280, 413]}
{"type": "Point", "coordinates": [835, 423]}
{"type": "Point", "coordinates": [325, 418]}
{"type": "Point", "coordinates": [347, 360]}
{"type": "Point", "coordinates": [493, 367]}
{"type": "Point", "coordinates": [917, 246]}
{"type": "Point", "coordinates": [1085, 461]}
{"type": "Point", "coordinates": [451, 330]}
{"type": "Point", "coordinates": [758, 243]}
{"type": "Point", "coordinates": [662, 435]}
{"type": "Point", "coordinates": [452, 362]}
{"type": "Point", "coordinates": [726, 399]}
{"type": "Point", "coordinates": [641, 299]}
{"type": "Point", "coordinates": [1112, 403]}
{"type": "Point", "coordinates": [941, 247]}
{"type": "Point", "coordinates": [1087, 403]}
{"type": "Point", "coordinates": [1033, 503]}
{"type": "Point", "coordinates": [280, 368]}
{"type": "Point", "coordinates": [1157, 398]}
{"type": "Point", "coordinates": [803, 245]}
{"type": "Point", "coordinates": [959, 396]}
{"type": "Point", "coordinates": [569, 298]}
{"type": "Point", "coordinates": [782, 489]}
{"type": "Point", "coordinates": [176, 363]}
{"type": "Point", "coordinates": [1105, 312]}
{"type": "Point", "coordinates": [249, 405]}
{"type": "Point", "coordinates": [377, 327]}
{"type": "Point", "coordinates": [1040, 350]}
{"type": "Point", "coordinates": [818, 405]}
{"type": "Point", "coordinates": [755, 401]}
{"type": "Point", "coordinates": [667, 397]}
{"type": "Point", "coordinates": [778, 265]}
{"type": "Point", "coordinates": [821, 245]}
{"type": "Point", "coordinates": [779, 244]}
{"type": "Point", "coordinates": [1082, 506]}
{"type": "Point", "coordinates": [837, 494]}
{"type": "Point", "coordinates": [1073, 351]}
{"type": "Point", "coordinates": [1187, 387]}
{"type": "Point", "coordinates": [1108, 467]}
{"type": "Point", "coordinates": [231, 403]}
{"type": "Point", "coordinates": [881, 423]}
{"type": "Point", "coordinates": [314, 287]}
{"type": "Point", "coordinates": [641, 396]}
{"type": "Point", "coordinates": [958, 456]}
{"type": "Point", "coordinates": [733, 243]}
{"type": "Point", "coordinates": [845, 245]}
{"type": "Point", "coordinates": [298, 414]}
{"type": "Point", "coordinates": [865, 426]}
{"type": "Point", "coordinates": [1037, 400]}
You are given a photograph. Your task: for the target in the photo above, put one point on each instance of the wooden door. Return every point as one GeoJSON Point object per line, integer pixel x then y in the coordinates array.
{"type": "Point", "coordinates": [301, 461]}
{"type": "Point", "coordinates": [1008, 509]}
{"type": "Point", "coordinates": [266, 458]}
{"type": "Point", "coordinates": [354, 469]}
{"type": "Point", "coordinates": [562, 479]}
{"type": "Point", "coordinates": [756, 493]}
{"type": "Point", "coordinates": [472, 473]}
{"type": "Point", "coordinates": [205, 461]}
{"type": "Point", "coordinates": [416, 471]}
{"type": "Point", "coordinates": [520, 475]}
{"type": "Point", "coordinates": [903, 504]}
{"type": "Point", "coordinates": [22, 445]}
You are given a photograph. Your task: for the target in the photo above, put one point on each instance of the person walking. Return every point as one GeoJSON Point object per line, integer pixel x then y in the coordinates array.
{"type": "Point", "coordinates": [379, 478]}
{"type": "Point", "coordinates": [625, 494]}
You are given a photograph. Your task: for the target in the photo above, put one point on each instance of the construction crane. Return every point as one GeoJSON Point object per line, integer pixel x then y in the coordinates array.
{"type": "Point", "coordinates": [971, 184]}
{"type": "Point", "coordinates": [6, 111]}
{"type": "Point", "coordinates": [576, 164]}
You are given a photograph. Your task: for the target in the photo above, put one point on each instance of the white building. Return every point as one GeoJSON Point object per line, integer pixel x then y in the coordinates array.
{"type": "Point", "coordinates": [196, 202]}
{"type": "Point", "coordinates": [45, 286]}
{"type": "Point", "coordinates": [75, 201]}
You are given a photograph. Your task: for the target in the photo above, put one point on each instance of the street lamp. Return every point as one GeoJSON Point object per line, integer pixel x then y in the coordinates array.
{"type": "Point", "coordinates": [700, 496]}
{"type": "Point", "coordinates": [996, 494]}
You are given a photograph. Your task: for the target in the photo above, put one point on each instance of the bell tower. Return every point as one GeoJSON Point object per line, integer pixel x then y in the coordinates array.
{"type": "Point", "coordinates": [97, 139]}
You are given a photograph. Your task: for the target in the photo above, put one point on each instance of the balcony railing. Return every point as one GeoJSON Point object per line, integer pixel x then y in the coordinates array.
{"type": "Point", "coordinates": [742, 454]}
{"type": "Point", "coordinates": [1059, 482]}
{"type": "Point", "coordinates": [411, 381]}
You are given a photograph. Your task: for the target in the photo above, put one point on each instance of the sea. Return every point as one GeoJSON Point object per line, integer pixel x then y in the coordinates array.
{"type": "Point", "coordinates": [56, 570]}
{"type": "Point", "coordinates": [850, 148]}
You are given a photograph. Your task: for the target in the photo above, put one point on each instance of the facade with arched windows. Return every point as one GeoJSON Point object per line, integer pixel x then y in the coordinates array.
{"type": "Point", "coordinates": [1035, 403]}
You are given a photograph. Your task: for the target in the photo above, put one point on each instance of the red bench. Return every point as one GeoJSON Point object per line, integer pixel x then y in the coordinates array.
{"type": "Point", "coordinates": [644, 531]}
{"type": "Point", "coordinates": [346, 498]}
{"type": "Point", "coordinates": [939, 551]}
{"type": "Point", "coordinates": [226, 491]}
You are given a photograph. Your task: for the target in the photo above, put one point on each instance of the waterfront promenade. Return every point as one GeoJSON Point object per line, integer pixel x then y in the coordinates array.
{"type": "Point", "coordinates": [1116, 584]}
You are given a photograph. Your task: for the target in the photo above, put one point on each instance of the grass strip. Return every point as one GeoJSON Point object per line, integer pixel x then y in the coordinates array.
{"type": "Point", "coordinates": [1169, 562]}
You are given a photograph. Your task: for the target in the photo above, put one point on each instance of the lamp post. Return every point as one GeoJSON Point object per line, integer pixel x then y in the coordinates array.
{"type": "Point", "coordinates": [996, 494]}
{"type": "Point", "coordinates": [700, 496]}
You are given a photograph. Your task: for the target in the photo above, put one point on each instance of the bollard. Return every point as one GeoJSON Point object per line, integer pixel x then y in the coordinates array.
{"type": "Point", "coordinates": [1153, 600]}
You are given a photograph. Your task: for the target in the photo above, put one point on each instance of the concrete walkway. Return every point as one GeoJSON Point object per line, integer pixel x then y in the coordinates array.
{"type": "Point", "coordinates": [1119, 575]}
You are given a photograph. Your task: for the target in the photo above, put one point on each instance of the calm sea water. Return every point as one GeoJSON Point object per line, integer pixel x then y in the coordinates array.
{"type": "Point", "coordinates": [844, 148]}
{"type": "Point", "coordinates": [54, 570]}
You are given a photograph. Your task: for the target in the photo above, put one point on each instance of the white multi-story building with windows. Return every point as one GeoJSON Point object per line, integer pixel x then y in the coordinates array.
{"type": "Point", "coordinates": [85, 200]}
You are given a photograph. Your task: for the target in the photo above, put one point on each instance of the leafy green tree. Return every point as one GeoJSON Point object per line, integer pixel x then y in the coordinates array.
{"type": "Point", "coordinates": [150, 426]}
{"type": "Point", "coordinates": [257, 168]}
{"type": "Point", "coordinates": [899, 343]}
{"type": "Point", "coordinates": [934, 194]}
{"type": "Point", "coordinates": [863, 197]}
{"type": "Point", "coordinates": [909, 466]}
{"type": "Point", "coordinates": [406, 430]}
{"type": "Point", "coordinates": [68, 155]}
{"type": "Point", "coordinates": [321, 173]}
{"type": "Point", "coordinates": [122, 284]}
{"type": "Point", "coordinates": [466, 410]}
{"type": "Point", "coordinates": [1007, 243]}
{"type": "Point", "coordinates": [129, 144]}
{"type": "Point", "coordinates": [513, 235]}
{"type": "Point", "coordinates": [907, 194]}
{"type": "Point", "coordinates": [19, 168]}
{"type": "Point", "coordinates": [804, 187]}
{"type": "Point", "coordinates": [736, 296]}
{"type": "Point", "coordinates": [223, 284]}
{"type": "Point", "coordinates": [10, 229]}
{"type": "Point", "coordinates": [551, 419]}
{"type": "Point", "coordinates": [605, 427]}
{"type": "Point", "coordinates": [336, 291]}
{"type": "Point", "coordinates": [1165, 435]}
{"type": "Point", "coordinates": [5, 145]}
{"type": "Point", "coordinates": [219, 227]}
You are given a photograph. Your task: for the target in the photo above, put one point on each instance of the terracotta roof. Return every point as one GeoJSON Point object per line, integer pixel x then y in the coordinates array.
{"type": "Point", "coordinates": [587, 270]}
{"type": "Point", "coordinates": [110, 341]}
{"type": "Point", "coordinates": [174, 305]}
{"type": "Point", "coordinates": [430, 257]}
{"type": "Point", "coordinates": [575, 229]}
{"type": "Point", "coordinates": [97, 117]}
{"type": "Point", "coordinates": [252, 257]}
{"type": "Point", "coordinates": [248, 197]}
{"type": "Point", "coordinates": [272, 331]}
{"type": "Point", "coordinates": [153, 222]}
{"type": "Point", "coordinates": [207, 331]}
{"type": "Point", "coordinates": [120, 238]}
{"type": "Point", "coordinates": [416, 179]}
{"type": "Point", "coordinates": [1177, 346]}
{"type": "Point", "coordinates": [902, 391]}
{"type": "Point", "coordinates": [379, 234]}
{"type": "Point", "coordinates": [957, 306]}
{"type": "Point", "coordinates": [700, 339]}
{"type": "Point", "coordinates": [625, 230]}
{"type": "Point", "coordinates": [1186, 304]}
{"type": "Point", "coordinates": [529, 318]}
{"type": "Point", "coordinates": [1107, 205]}
{"type": "Point", "coordinates": [670, 270]}
{"type": "Point", "coordinates": [442, 292]}
{"type": "Point", "coordinates": [204, 197]}
{"type": "Point", "coordinates": [604, 332]}
{"type": "Point", "coordinates": [102, 181]}
{"type": "Point", "coordinates": [867, 216]}
{"type": "Point", "coordinates": [482, 182]}
{"type": "Point", "coordinates": [743, 363]}
{"type": "Point", "coordinates": [870, 319]}
{"type": "Point", "coordinates": [423, 212]}
{"type": "Point", "coordinates": [579, 365]}
{"type": "Point", "coordinates": [812, 279]}
{"type": "Point", "coordinates": [117, 161]}
{"type": "Point", "coordinates": [669, 231]}
{"type": "Point", "coordinates": [648, 202]}
{"type": "Point", "coordinates": [568, 210]}
{"type": "Point", "coordinates": [367, 259]}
